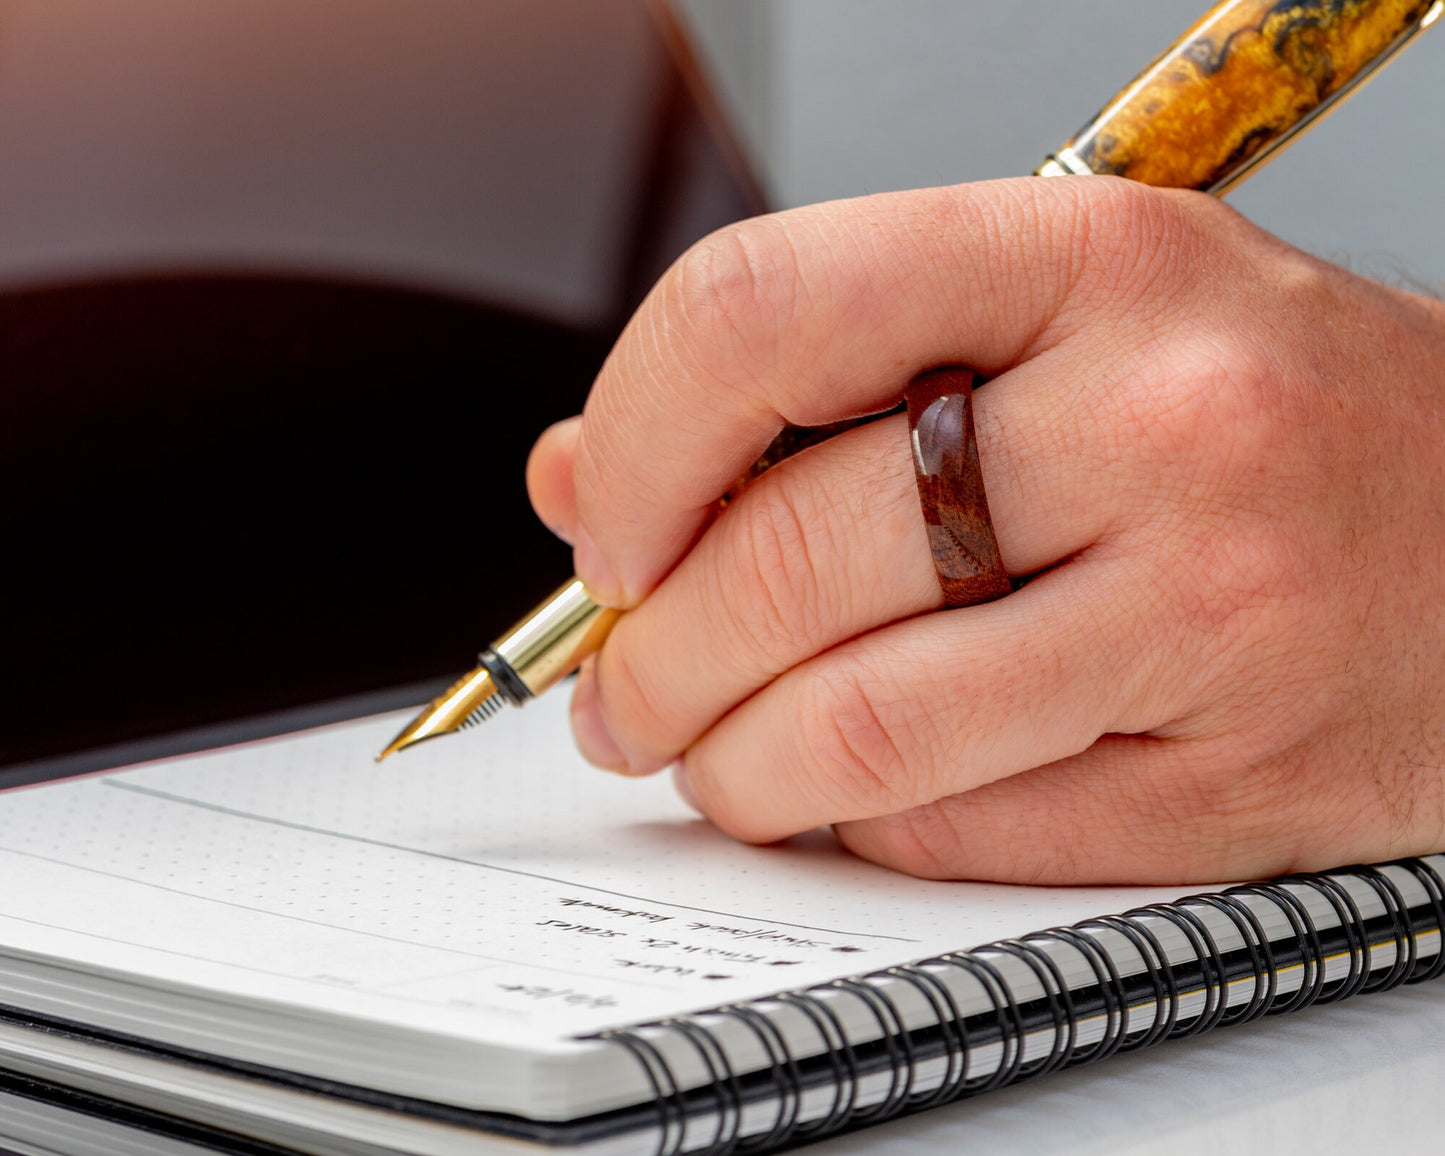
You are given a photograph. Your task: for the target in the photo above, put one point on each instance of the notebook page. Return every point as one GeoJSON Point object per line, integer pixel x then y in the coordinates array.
{"type": "Point", "coordinates": [489, 885]}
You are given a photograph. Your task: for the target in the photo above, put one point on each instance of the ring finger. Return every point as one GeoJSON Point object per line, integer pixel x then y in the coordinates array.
{"type": "Point", "coordinates": [827, 546]}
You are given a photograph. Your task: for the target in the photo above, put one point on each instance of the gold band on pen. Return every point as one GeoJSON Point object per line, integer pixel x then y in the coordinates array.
{"type": "Point", "coordinates": [1064, 163]}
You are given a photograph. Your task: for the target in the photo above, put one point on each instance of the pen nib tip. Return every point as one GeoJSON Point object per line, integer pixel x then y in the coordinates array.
{"type": "Point", "coordinates": [469, 701]}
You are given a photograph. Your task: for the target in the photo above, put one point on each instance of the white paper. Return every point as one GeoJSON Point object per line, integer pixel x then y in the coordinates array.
{"type": "Point", "coordinates": [489, 885]}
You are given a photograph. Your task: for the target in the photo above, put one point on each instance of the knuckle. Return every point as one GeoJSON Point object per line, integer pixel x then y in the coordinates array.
{"type": "Point", "coordinates": [853, 750]}
{"type": "Point", "coordinates": [1026, 224]}
{"type": "Point", "coordinates": [1135, 241]}
{"type": "Point", "coordinates": [1201, 407]}
{"type": "Point", "coordinates": [734, 293]}
{"type": "Point", "coordinates": [1233, 388]}
{"type": "Point", "coordinates": [1143, 252]}
{"type": "Point", "coordinates": [780, 594]}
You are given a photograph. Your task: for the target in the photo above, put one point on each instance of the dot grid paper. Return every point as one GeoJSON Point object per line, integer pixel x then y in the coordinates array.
{"type": "Point", "coordinates": [490, 883]}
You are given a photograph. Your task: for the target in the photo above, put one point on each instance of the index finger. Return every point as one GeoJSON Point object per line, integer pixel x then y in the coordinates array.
{"type": "Point", "coordinates": [824, 313]}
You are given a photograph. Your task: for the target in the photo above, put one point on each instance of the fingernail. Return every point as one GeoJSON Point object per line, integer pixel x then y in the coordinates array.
{"type": "Point", "coordinates": [566, 533]}
{"type": "Point", "coordinates": [589, 730]}
{"type": "Point", "coordinates": [596, 575]}
{"type": "Point", "coordinates": [684, 788]}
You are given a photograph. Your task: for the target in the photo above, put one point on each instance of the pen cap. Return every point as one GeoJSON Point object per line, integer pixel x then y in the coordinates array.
{"type": "Point", "coordinates": [1237, 86]}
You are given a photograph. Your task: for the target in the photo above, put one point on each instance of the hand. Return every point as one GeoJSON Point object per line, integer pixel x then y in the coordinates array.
{"type": "Point", "coordinates": [1220, 462]}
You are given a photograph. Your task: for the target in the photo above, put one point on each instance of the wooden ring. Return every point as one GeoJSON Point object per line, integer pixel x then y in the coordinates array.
{"type": "Point", "coordinates": [950, 487]}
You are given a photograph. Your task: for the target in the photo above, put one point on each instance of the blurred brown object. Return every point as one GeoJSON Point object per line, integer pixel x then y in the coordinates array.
{"type": "Point", "coordinates": [271, 278]}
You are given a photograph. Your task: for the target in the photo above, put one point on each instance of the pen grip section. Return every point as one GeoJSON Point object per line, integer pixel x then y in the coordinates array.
{"type": "Point", "coordinates": [1247, 76]}
{"type": "Point", "coordinates": [551, 642]}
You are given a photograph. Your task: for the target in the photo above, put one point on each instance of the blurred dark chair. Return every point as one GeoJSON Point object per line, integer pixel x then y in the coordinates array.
{"type": "Point", "coordinates": [277, 287]}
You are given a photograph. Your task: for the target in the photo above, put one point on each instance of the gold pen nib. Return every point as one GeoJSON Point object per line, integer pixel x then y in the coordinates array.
{"type": "Point", "coordinates": [471, 700]}
{"type": "Point", "coordinates": [538, 652]}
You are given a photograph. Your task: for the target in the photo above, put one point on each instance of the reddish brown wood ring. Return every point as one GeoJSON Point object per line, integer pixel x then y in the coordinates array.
{"type": "Point", "coordinates": [950, 487]}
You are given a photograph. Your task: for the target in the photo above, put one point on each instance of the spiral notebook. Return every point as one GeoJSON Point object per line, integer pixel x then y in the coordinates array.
{"type": "Point", "coordinates": [487, 946]}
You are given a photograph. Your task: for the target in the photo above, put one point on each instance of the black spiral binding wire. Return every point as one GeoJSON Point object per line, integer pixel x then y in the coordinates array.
{"type": "Point", "coordinates": [1136, 998]}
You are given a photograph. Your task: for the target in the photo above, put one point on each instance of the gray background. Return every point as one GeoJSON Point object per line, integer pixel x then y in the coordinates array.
{"type": "Point", "coordinates": [350, 136]}
{"type": "Point", "coordinates": [394, 140]}
{"type": "Point", "coordinates": [837, 98]}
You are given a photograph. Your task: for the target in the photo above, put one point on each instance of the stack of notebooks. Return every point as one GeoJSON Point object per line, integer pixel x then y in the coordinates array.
{"type": "Point", "coordinates": [487, 947]}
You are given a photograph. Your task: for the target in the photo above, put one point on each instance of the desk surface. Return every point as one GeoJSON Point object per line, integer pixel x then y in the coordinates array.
{"type": "Point", "coordinates": [1343, 1078]}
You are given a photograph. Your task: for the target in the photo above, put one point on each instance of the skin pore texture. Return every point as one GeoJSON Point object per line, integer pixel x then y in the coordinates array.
{"type": "Point", "coordinates": [1220, 463]}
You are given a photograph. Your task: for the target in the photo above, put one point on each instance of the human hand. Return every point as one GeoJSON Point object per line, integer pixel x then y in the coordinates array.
{"type": "Point", "coordinates": [1221, 461]}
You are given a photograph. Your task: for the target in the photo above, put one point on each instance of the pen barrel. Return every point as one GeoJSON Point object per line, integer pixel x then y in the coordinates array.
{"type": "Point", "coordinates": [1238, 85]}
{"type": "Point", "coordinates": [551, 642]}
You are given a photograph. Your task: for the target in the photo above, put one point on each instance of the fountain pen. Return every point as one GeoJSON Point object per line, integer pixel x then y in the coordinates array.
{"type": "Point", "coordinates": [1229, 94]}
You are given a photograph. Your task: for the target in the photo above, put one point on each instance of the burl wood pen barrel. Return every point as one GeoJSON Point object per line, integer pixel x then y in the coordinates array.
{"type": "Point", "coordinates": [1242, 82]}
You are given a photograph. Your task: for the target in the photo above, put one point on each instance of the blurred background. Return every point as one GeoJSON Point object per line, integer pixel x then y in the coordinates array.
{"type": "Point", "coordinates": [838, 98]}
{"type": "Point", "coordinates": [287, 290]}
